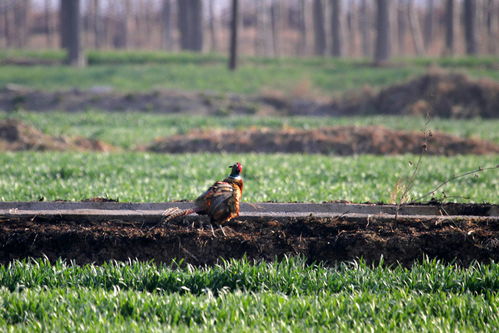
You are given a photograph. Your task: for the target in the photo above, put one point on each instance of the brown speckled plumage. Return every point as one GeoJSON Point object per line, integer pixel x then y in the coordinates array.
{"type": "Point", "coordinates": [220, 202]}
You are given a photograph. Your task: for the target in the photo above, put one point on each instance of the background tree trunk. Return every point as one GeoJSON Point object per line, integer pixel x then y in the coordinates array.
{"type": "Point", "coordinates": [63, 24]}
{"type": "Point", "coordinates": [121, 37]}
{"type": "Point", "coordinates": [275, 17]}
{"type": "Point", "coordinates": [183, 24]}
{"type": "Point", "coordinates": [449, 27]}
{"type": "Point", "coordinates": [382, 52]}
{"type": "Point", "coordinates": [190, 24]}
{"type": "Point", "coordinates": [415, 28]}
{"type": "Point", "coordinates": [99, 35]}
{"type": "Point", "coordinates": [197, 22]}
{"type": "Point", "coordinates": [350, 31]}
{"type": "Point", "coordinates": [470, 26]}
{"type": "Point", "coordinates": [492, 26]}
{"type": "Point", "coordinates": [401, 27]}
{"type": "Point", "coordinates": [47, 17]}
{"type": "Point", "coordinates": [428, 27]}
{"type": "Point", "coordinates": [234, 35]}
{"type": "Point", "coordinates": [397, 48]}
{"type": "Point", "coordinates": [73, 33]}
{"type": "Point", "coordinates": [319, 28]}
{"type": "Point", "coordinates": [213, 30]}
{"type": "Point", "coordinates": [364, 24]}
{"type": "Point", "coordinates": [302, 45]}
{"type": "Point", "coordinates": [167, 25]}
{"type": "Point", "coordinates": [20, 12]}
{"type": "Point", "coordinates": [336, 29]}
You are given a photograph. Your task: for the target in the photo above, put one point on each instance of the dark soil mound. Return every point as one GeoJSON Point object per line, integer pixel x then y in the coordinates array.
{"type": "Point", "coordinates": [328, 240]}
{"type": "Point", "coordinates": [15, 135]}
{"type": "Point", "coordinates": [443, 95]}
{"type": "Point", "coordinates": [342, 140]}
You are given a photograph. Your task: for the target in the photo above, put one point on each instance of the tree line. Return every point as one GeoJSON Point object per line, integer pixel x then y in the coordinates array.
{"type": "Point", "coordinates": [377, 29]}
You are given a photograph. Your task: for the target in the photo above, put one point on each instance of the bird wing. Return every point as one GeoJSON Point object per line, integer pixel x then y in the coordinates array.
{"type": "Point", "coordinates": [215, 197]}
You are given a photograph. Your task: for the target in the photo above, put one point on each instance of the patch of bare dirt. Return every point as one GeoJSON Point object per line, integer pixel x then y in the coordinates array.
{"type": "Point", "coordinates": [439, 94]}
{"type": "Point", "coordinates": [328, 240]}
{"type": "Point", "coordinates": [443, 95]}
{"type": "Point", "coordinates": [341, 140]}
{"type": "Point", "coordinates": [15, 136]}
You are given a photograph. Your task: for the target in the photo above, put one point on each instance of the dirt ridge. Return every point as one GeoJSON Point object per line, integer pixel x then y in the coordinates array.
{"type": "Point", "coordinates": [329, 240]}
{"type": "Point", "coordinates": [338, 140]}
{"type": "Point", "coordinates": [440, 94]}
{"type": "Point", "coordinates": [16, 136]}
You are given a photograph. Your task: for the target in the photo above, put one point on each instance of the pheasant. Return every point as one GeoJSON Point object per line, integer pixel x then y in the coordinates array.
{"type": "Point", "coordinates": [220, 202]}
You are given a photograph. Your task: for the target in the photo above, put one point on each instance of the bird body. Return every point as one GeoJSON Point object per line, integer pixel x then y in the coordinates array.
{"type": "Point", "coordinates": [220, 202]}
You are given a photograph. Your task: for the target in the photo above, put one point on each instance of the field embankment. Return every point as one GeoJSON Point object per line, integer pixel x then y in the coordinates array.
{"type": "Point", "coordinates": [436, 94]}
{"type": "Point", "coordinates": [17, 136]}
{"type": "Point", "coordinates": [340, 140]}
{"type": "Point", "coordinates": [403, 240]}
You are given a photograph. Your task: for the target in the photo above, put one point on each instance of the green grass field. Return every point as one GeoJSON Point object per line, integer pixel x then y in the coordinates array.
{"type": "Point", "coordinates": [129, 129]}
{"type": "Point", "coordinates": [237, 295]}
{"type": "Point", "coordinates": [145, 177]}
{"type": "Point", "coordinates": [141, 71]}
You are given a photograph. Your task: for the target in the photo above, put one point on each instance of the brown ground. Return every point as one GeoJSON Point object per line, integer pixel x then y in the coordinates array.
{"type": "Point", "coordinates": [341, 140]}
{"type": "Point", "coordinates": [15, 136]}
{"type": "Point", "coordinates": [439, 94]}
{"type": "Point", "coordinates": [318, 239]}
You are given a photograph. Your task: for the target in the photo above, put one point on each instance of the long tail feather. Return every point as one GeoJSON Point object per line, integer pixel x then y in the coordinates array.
{"type": "Point", "coordinates": [175, 212]}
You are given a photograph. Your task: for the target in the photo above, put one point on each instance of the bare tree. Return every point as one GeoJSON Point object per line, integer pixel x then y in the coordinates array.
{"type": "Point", "coordinates": [350, 31]}
{"type": "Point", "coordinates": [190, 24]}
{"type": "Point", "coordinates": [197, 23]}
{"type": "Point", "coordinates": [382, 52]}
{"type": "Point", "coordinates": [63, 24]}
{"type": "Point", "coordinates": [365, 29]}
{"type": "Point", "coordinates": [122, 23]}
{"type": "Point", "coordinates": [319, 28]}
{"type": "Point", "coordinates": [428, 26]}
{"type": "Point", "coordinates": [491, 23]}
{"type": "Point", "coordinates": [394, 31]}
{"type": "Point", "coordinates": [302, 44]}
{"type": "Point", "coordinates": [263, 37]}
{"type": "Point", "coordinates": [233, 35]}
{"type": "Point", "coordinates": [258, 42]}
{"type": "Point", "coordinates": [336, 29]}
{"type": "Point", "coordinates": [166, 25]}
{"type": "Point", "coordinates": [401, 26]}
{"type": "Point", "coordinates": [98, 25]}
{"type": "Point", "coordinates": [275, 17]}
{"type": "Point", "coordinates": [415, 28]}
{"type": "Point", "coordinates": [450, 17]}
{"type": "Point", "coordinates": [21, 10]}
{"type": "Point", "coordinates": [47, 17]}
{"type": "Point", "coordinates": [70, 9]}
{"type": "Point", "coordinates": [470, 26]}
{"type": "Point", "coordinates": [212, 27]}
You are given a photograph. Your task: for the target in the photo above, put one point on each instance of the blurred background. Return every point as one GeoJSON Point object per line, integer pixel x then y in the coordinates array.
{"type": "Point", "coordinates": [270, 28]}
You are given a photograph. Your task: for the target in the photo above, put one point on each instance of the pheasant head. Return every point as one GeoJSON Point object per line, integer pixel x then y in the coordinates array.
{"type": "Point", "coordinates": [236, 170]}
